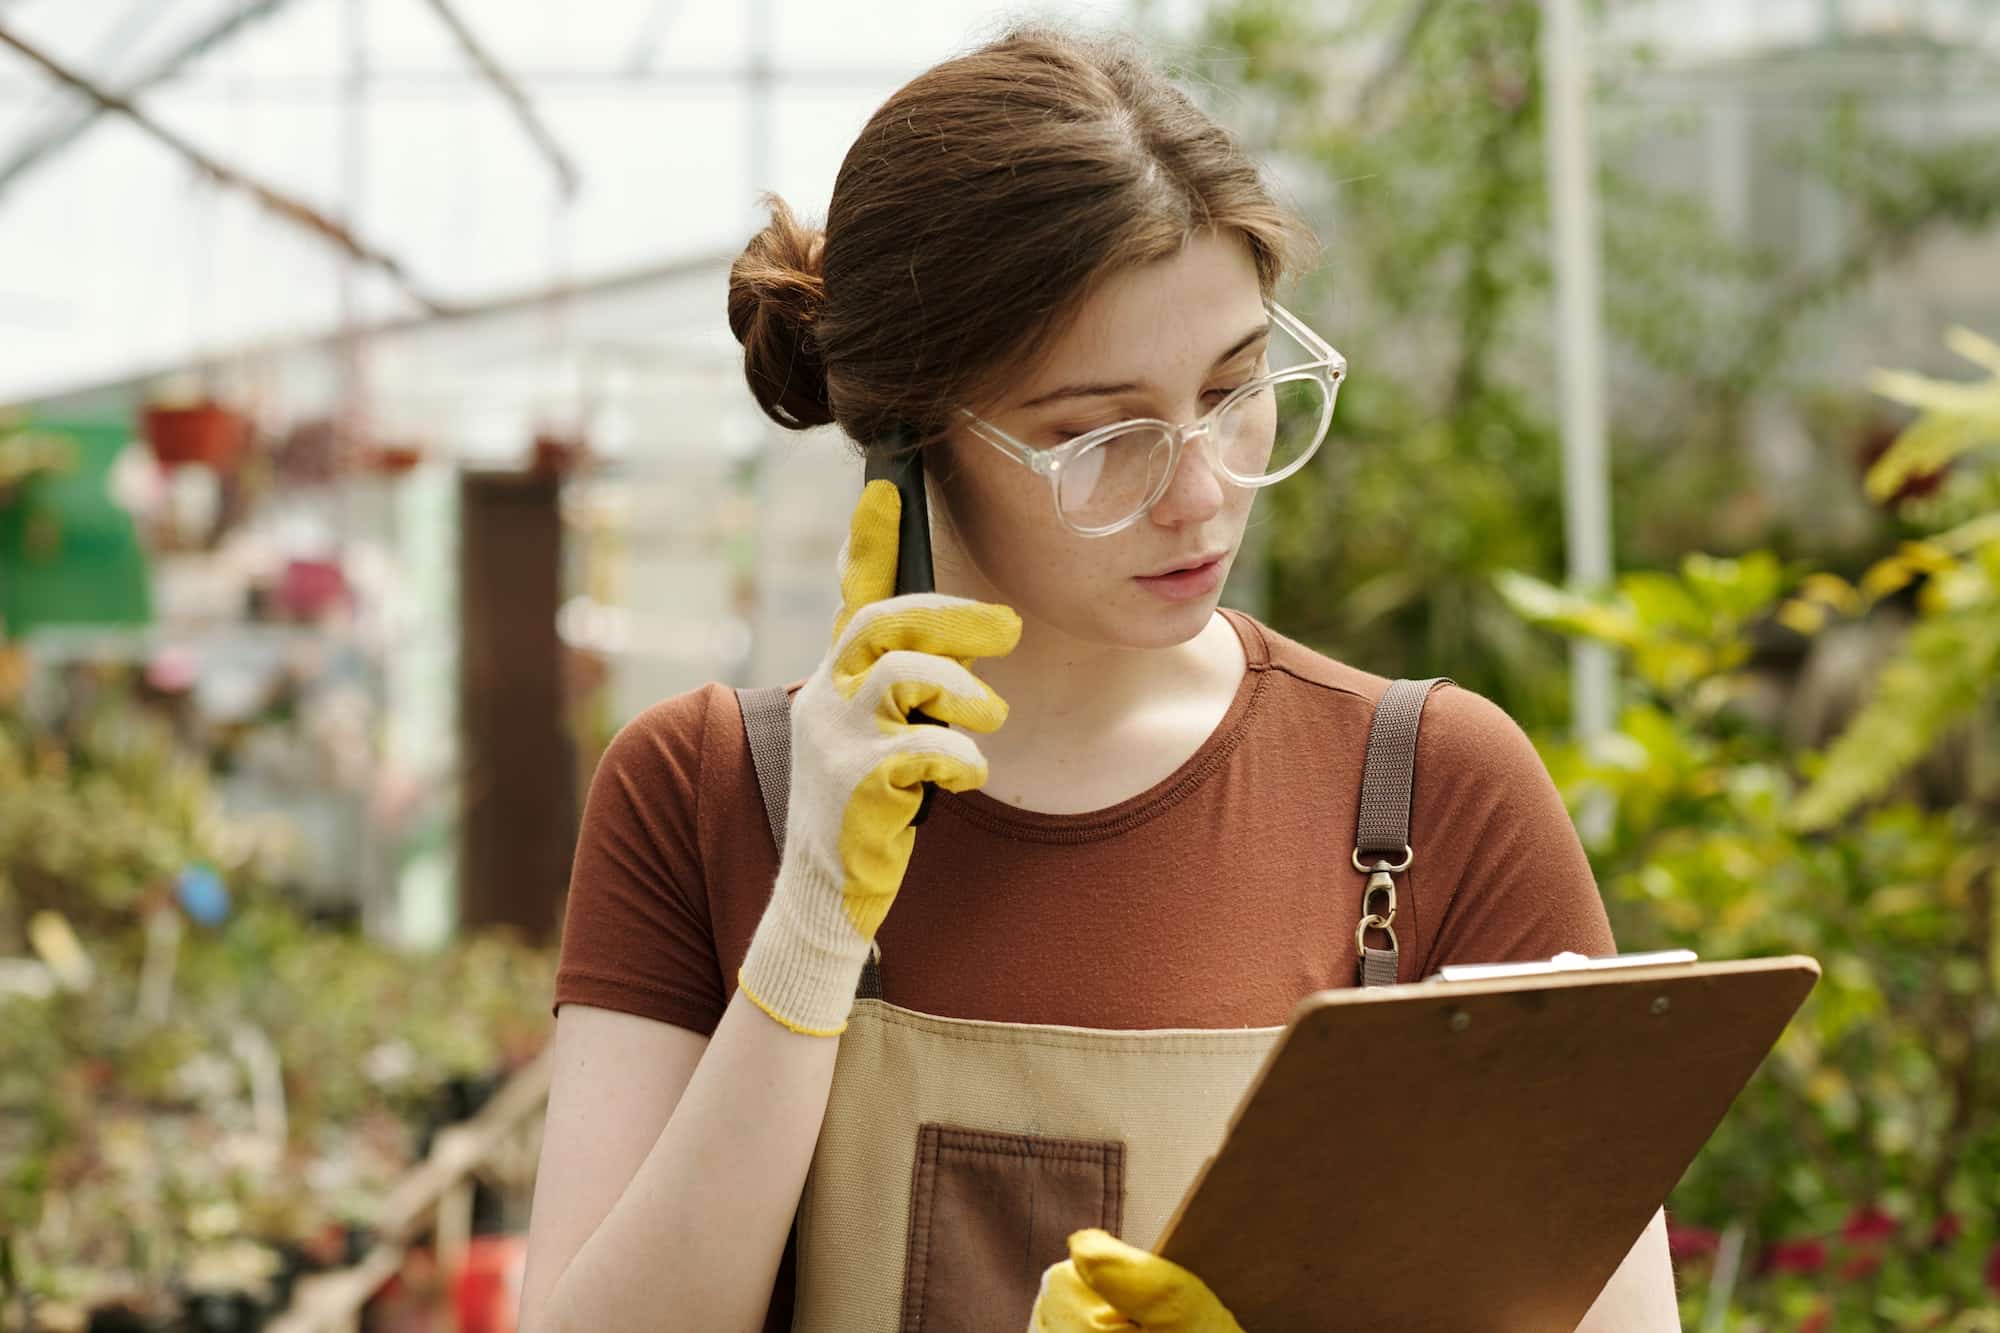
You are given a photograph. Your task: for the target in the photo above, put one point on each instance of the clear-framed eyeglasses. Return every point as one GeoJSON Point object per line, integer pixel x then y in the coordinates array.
{"type": "Point", "coordinates": [1259, 432]}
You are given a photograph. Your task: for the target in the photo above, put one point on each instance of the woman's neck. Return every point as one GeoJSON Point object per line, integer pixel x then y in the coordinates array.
{"type": "Point", "coordinates": [1090, 724]}
{"type": "Point", "coordinates": [1055, 683]}
{"type": "Point", "coordinates": [1089, 727]}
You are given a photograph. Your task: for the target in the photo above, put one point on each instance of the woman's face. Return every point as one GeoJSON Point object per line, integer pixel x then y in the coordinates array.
{"type": "Point", "coordinates": [1165, 340]}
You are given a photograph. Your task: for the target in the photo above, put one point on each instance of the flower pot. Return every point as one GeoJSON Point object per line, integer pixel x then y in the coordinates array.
{"type": "Point", "coordinates": [557, 454]}
{"type": "Point", "coordinates": [393, 460]}
{"type": "Point", "coordinates": [205, 432]}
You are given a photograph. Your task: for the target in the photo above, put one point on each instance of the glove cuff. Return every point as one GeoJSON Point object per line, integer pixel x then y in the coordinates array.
{"type": "Point", "coordinates": [805, 960]}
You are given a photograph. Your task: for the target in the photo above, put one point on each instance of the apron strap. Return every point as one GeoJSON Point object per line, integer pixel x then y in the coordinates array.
{"type": "Point", "coordinates": [767, 723]}
{"type": "Point", "coordinates": [1382, 838]}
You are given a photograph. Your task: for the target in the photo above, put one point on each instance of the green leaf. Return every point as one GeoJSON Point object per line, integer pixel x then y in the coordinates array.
{"type": "Point", "coordinates": [1945, 668]}
{"type": "Point", "coordinates": [1545, 604]}
{"type": "Point", "coordinates": [1664, 602]}
{"type": "Point", "coordinates": [1955, 418]}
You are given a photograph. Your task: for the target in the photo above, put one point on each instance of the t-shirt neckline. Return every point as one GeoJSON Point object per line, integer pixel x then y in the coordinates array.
{"type": "Point", "coordinates": [983, 811]}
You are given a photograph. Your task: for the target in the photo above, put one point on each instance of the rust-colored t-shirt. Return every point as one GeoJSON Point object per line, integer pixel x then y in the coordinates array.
{"type": "Point", "coordinates": [1217, 898]}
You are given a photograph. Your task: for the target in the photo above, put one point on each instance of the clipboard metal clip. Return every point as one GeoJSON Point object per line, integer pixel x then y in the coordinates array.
{"type": "Point", "coordinates": [1562, 962]}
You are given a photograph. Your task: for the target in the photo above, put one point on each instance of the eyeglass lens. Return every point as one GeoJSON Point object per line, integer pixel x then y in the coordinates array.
{"type": "Point", "coordinates": [1258, 434]}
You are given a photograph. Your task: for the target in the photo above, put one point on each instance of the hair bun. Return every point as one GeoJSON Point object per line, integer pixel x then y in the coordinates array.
{"type": "Point", "coordinates": [775, 293]}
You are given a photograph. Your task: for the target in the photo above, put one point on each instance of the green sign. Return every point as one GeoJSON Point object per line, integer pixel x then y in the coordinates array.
{"type": "Point", "coordinates": [69, 553]}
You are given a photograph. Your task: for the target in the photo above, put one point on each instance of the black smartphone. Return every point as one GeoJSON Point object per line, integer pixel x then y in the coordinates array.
{"type": "Point", "coordinates": [913, 536]}
{"type": "Point", "coordinates": [905, 467]}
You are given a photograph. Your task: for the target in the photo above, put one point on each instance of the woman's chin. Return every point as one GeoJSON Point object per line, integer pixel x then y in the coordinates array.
{"type": "Point", "coordinates": [1147, 623]}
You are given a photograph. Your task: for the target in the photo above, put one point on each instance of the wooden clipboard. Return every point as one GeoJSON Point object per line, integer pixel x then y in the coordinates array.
{"type": "Point", "coordinates": [1458, 1155]}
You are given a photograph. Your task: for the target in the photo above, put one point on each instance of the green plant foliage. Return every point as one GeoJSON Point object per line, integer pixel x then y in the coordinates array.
{"type": "Point", "coordinates": [1956, 418]}
{"type": "Point", "coordinates": [132, 1153]}
{"type": "Point", "coordinates": [1858, 1168]}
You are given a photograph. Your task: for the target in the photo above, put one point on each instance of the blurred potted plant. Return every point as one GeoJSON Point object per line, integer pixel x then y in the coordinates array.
{"type": "Point", "coordinates": [557, 452]}
{"type": "Point", "coordinates": [204, 431]}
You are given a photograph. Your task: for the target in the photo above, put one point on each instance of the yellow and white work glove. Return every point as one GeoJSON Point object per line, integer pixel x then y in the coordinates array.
{"type": "Point", "coordinates": [1107, 1284]}
{"type": "Point", "coordinates": [859, 765]}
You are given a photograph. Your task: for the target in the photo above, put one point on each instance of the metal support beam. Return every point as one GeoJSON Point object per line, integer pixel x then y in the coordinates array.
{"type": "Point", "coordinates": [270, 198]}
{"type": "Point", "coordinates": [646, 48]}
{"type": "Point", "coordinates": [515, 97]}
{"type": "Point", "coordinates": [1579, 342]}
{"type": "Point", "coordinates": [41, 147]}
{"type": "Point", "coordinates": [668, 80]}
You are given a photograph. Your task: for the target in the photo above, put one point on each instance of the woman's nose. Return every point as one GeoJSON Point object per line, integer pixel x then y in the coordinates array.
{"type": "Point", "coordinates": [1194, 493]}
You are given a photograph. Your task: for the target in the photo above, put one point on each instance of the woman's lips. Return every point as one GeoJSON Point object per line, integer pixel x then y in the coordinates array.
{"type": "Point", "coordinates": [1185, 584]}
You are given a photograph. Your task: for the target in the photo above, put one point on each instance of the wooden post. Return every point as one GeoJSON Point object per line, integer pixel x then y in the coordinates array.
{"type": "Point", "coordinates": [518, 821]}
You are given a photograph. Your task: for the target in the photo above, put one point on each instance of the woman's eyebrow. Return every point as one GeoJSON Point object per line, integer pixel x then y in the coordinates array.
{"type": "Point", "coordinates": [1262, 331]}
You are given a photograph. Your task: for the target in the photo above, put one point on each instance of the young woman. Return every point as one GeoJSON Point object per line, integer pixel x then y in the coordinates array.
{"type": "Point", "coordinates": [1049, 272]}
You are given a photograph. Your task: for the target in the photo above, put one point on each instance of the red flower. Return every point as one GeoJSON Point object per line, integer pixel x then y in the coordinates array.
{"type": "Point", "coordinates": [1993, 1269]}
{"type": "Point", "coordinates": [1819, 1320]}
{"type": "Point", "coordinates": [1685, 1243]}
{"type": "Point", "coordinates": [1801, 1258]}
{"type": "Point", "coordinates": [1946, 1231]}
{"type": "Point", "coordinates": [1861, 1265]}
{"type": "Point", "coordinates": [1868, 1223]}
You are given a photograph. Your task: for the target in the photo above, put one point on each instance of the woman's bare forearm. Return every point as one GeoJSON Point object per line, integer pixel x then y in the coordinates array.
{"type": "Point", "coordinates": [700, 1230]}
{"type": "Point", "coordinates": [1640, 1295]}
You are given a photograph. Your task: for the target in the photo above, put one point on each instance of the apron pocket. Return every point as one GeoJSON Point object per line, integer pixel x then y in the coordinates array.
{"type": "Point", "coordinates": [989, 1212]}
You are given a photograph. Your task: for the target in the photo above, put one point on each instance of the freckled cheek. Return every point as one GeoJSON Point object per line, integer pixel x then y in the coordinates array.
{"type": "Point", "coordinates": [1031, 544]}
{"type": "Point", "coordinates": [1012, 531]}
{"type": "Point", "coordinates": [1000, 512]}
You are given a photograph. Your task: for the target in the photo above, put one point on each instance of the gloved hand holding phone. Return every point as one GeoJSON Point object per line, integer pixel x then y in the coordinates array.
{"type": "Point", "coordinates": [859, 765]}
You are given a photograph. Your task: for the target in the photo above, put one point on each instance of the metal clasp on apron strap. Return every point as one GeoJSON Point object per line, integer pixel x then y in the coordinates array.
{"type": "Point", "coordinates": [1378, 966]}
{"type": "Point", "coordinates": [1388, 778]}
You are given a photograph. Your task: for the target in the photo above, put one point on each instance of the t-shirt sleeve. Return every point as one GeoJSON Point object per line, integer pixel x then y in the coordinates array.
{"type": "Point", "coordinates": [1505, 858]}
{"type": "Point", "coordinates": [636, 930]}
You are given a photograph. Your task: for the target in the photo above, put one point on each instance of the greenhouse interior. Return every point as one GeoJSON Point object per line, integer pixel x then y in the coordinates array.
{"type": "Point", "coordinates": [376, 457]}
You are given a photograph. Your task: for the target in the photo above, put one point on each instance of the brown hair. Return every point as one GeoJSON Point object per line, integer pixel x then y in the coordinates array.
{"type": "Point", "coordinates": [971, 218]}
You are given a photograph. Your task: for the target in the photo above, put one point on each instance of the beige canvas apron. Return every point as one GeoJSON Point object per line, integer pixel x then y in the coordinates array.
{"type": "Point", "coordinates": [957, 1156]}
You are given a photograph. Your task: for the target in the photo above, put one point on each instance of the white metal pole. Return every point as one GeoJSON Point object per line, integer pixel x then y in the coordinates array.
{"type": "Point", "coordinates": [1579, 341]}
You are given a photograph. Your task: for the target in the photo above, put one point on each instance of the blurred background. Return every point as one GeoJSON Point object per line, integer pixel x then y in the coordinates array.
{"type": "Point", "coordinates": [373, 445]}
